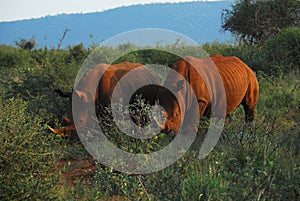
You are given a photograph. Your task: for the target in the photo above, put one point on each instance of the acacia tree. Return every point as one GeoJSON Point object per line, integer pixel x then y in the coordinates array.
{"type": "Point", "coordinates": [254, 21]}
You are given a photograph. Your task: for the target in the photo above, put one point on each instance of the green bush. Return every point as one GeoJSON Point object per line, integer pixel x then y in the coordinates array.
{"type": "Point", "coordinates": [27, 153]}
{"type": "Point", "coordinates": [282, 50]}
{"type": "Point", "coordinates": [11, 57]}
{"type": "Point", "coordinates": [279, 53]}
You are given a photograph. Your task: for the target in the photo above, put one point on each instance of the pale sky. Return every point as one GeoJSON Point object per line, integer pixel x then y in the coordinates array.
{"type": "Point", "coordinates": [11, 10]}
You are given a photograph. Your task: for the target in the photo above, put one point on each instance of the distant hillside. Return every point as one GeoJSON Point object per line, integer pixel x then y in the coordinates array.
{"type": "Point", "coordinates": [200, 21]}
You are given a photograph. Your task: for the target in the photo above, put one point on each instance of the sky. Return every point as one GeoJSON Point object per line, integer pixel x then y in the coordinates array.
{"type": "Point", "coordinates": [11, 10]}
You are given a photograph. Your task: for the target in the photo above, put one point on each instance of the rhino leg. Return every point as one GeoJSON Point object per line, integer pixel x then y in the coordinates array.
{"type": "Point", "coordinates": [249, 113]}
{"type": "Point", "coordinates": [251, 98]}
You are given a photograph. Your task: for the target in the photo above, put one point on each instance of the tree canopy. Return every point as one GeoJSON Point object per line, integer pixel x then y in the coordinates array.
{"type": "Point", "coordinates": [254, 21]}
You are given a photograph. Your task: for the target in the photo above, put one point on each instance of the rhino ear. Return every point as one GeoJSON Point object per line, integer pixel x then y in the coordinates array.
{"type": "Point", "coordinates": [179, 85]}
{"type": "Point", "coordinates": [81, 95]}
{"type": "Point", "coordinates": [164, 113]}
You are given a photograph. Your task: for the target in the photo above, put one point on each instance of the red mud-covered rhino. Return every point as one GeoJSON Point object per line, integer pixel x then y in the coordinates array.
{"type": "Point", "coordinates": [96, 87]}
{"type": "Point", "coordinates": [207, 77]}
{"type": "Point", "coordinates": [220, 84]}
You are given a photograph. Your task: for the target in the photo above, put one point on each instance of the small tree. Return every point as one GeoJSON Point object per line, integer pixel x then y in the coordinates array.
{"type": "Point", "coordinates": [78, 52]}
{"type": "Point", "coordinates": [254, 21]}
{"type": "Point", "coordinates": [26, 44]}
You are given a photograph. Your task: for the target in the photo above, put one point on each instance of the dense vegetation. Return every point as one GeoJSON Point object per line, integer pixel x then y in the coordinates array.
{"type": "Point", "coordinates": [258, 162]}
{"type": "Point", "coordinates": [254, 21]}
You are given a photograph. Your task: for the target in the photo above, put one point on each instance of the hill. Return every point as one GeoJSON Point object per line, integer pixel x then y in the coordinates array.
{"type": "Point", "coordinates": [200, 21]}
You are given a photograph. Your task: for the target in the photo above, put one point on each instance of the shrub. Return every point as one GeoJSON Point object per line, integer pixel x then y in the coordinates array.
{"type": "Point", "coordinates": [11, 57]}
{"type": "Point", "coordinates": [282, 50]}
{"type": "Point", "coordinates": [27, 155]}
